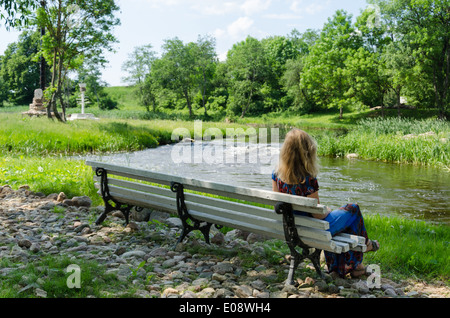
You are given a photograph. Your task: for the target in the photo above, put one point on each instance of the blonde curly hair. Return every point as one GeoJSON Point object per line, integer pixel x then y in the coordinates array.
{"type": "Point", "coordinates": [298, 158]}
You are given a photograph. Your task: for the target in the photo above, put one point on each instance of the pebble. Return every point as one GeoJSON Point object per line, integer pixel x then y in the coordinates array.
{"type": "Point", "coordinates": [143, 254]}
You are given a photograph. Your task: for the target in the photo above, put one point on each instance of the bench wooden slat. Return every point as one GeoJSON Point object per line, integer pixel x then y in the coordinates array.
{"type": "Point", "coordinates": [213, 214]}
{"type": "Point", "coordinates": [350, 241]}
{"type": "Point", "coordinates": [345, 247]}
{"type": "Point", "coordinates": [329, 246]}
{"type": "Point", "coordinates": [359, 239]}
{"type": "Point", "coordinates": [253, 195]}
{"type": "Point", "coordinates": [220, 203]}
{"type": "Point", "coordinates": [146, 203]}
{"type": "Point", "coordinates": [270, 222]}
{"type": "Point", "coordinates": [360, 248]}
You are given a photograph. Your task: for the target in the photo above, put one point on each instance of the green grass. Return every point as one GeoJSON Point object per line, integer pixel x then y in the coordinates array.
{"type": "Point", "coordinates": [49, 175]}
{"type": "Point", "coordinates": [410, 248]}
{"type": "Point", "coordinates": [392, 140]}
{"type": "Point", "coordinates": [50, 274]}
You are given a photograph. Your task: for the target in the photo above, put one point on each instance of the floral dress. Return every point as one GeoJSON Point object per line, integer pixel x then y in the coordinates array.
{"type": "Point", "coordinates": [347, 219]}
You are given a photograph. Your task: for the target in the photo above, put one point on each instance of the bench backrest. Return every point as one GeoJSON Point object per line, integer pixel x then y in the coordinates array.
{"type": "Point", "coordinates": [235, 214]}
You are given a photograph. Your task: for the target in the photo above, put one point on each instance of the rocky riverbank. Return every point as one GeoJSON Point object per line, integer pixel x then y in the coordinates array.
{"type": "Point", "coordinates": [142, 255]}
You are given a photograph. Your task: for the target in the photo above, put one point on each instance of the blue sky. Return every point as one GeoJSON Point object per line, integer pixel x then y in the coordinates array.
{"type": "Point", "coordinates": [229, 21]}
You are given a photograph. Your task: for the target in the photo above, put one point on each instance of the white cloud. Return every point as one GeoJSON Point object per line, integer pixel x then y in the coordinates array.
{"type": "Point", "coordinates": [217, 7]}
{"type": "Point", "coordinates": [298, 6]}
{"type": "Point", "coordinates": [239, 27]}
{"type": "Point", "coordinates": [283, 16]}
{"type": "Point", "coordinates": [314, 8]}
{"type": "Point", "coordinates": [254, 6]}
{"type": "Point", "coordinates": [218, 33]}
{"type": "Point", "coordinates": [295, 5]}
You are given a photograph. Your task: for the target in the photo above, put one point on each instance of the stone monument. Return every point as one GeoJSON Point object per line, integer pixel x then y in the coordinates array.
{"type": "Point", "coordinates": [37, 108]}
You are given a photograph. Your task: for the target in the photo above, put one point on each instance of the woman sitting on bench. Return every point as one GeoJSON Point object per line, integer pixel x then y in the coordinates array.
{"type": "Point", "coordinates": [297, 174]}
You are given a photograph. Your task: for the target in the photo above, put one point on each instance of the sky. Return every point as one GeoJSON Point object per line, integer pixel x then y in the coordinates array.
{"type": "Point", "coordinates": [228, 21]}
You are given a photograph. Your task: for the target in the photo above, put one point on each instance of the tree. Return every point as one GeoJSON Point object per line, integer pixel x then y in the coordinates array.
{"type": "Point", "coordinates": [205, 63]}
{"type": "Point", "coordinates": [176, 70]}
{"type": "Point", "coordinates": [247, 72]}
{"type": "Point", "coordinates": [17, 12]}
{"type": "Point", "coordinates": [424, 27]}
{"type": "Point", "coordinates": [75, 29]}
{"type": "Point", "coordinates": [293, 68]}
{"type": "Point", "coordinates": [18, 68]}
{"type": "Point", "coordinates": [324, 79]}
{"type": "Point", "coordinates": [139, 65]}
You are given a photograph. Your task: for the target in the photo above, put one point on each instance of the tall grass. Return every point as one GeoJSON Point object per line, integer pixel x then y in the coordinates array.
{"type": "Point", "coordinates": [40, 136]}
{"type": "Point", "coordinates": [392, 140]}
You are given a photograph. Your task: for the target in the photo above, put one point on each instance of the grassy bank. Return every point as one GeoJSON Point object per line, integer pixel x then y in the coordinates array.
{"type": "Point", "coordinates": [397, 140]}
{"type": "Point", "coordinates": [34, 149]}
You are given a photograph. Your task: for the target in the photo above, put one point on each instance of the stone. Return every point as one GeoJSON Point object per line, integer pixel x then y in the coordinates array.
{"type": "Point", "coordinates": [40, 293]}
{"type": "Point", "coordinates": [174, 222]}
{"type": "Point", "coordinates": [136, 253]}
{"type": "Point", "coordinates": [361, 286]}
{"type": "Point", "coordinates": [223, 268]}
{"type": "Point", "coordinates": [169, 292]}
{"type": "Point", "coordinates": [321, 285]}
{"type": "Point", "coordinates": [390, 292]}
{"type": "Point", "coordinates": [81, 201]}
{"type": "Point", "coordinates": [218, 239]}
{"type": "Point", "coordinates": [188, 294]}
{"type": "Point", "coordinates": [61, 197]}
{"type": "Point", "coordinates": [243, 291]}
{"type": "Point", "coordinates": [35, 247]}
{"type": "Point", "coordinates": [24, 243]}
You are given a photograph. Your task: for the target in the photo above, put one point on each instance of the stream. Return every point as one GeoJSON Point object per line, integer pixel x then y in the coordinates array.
{"type": "Point", "coordinates": [409, 191]}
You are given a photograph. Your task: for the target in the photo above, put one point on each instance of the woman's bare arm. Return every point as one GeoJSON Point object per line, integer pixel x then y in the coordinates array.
{"type": "Point", "coordinates": [315, 195]}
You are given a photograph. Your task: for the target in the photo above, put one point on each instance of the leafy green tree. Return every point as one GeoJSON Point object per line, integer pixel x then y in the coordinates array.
{"type": "Point", "coordinates": [175, 70]}
{"type": "Point", "coordinates": [205, 58]}
{"type": "Point", "coordinates": [19, 70]}
{"type": "Point", "coordinates": [17, 14]}
{"type": "Point", "coordinates": [423, 26]}
{"type": "Point", "coordinates": [75, 29]}
{"type": "Point", "coordinates": [400, 64]}
{"type": "Point", "coordinates": [293, 68]}
{"type": "Point", "coordinates": [139, 65]}
{"type": "Point", "coordinates": [323, 78]}
{"type": "Point", "coordinates": [248, 70]}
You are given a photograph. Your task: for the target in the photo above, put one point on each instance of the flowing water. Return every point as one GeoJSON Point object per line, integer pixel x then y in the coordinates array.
{"type": "Point", "coordinates": [409, 191]}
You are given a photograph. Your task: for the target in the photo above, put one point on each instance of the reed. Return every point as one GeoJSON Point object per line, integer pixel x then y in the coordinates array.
{"type": "Point", "coordinates": [392, 140]}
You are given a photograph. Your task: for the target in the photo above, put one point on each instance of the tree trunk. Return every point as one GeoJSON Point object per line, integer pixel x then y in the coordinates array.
{"type": "Point", "coordinates": [244, 110]}
{"type": "Point", "coordinates": [204, 92]}
{"type": "Point", "coordinates": [186, 95]}
{"type": "Point", "coordinates": [52, 85]}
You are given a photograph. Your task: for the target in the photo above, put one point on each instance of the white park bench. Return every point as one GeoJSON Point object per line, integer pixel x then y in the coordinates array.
{"type": "Point", "coordinates": [198, 211]}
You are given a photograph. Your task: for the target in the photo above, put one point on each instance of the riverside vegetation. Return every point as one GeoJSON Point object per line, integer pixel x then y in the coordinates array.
{"type": "Point", "coordinates": [42, 154]}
